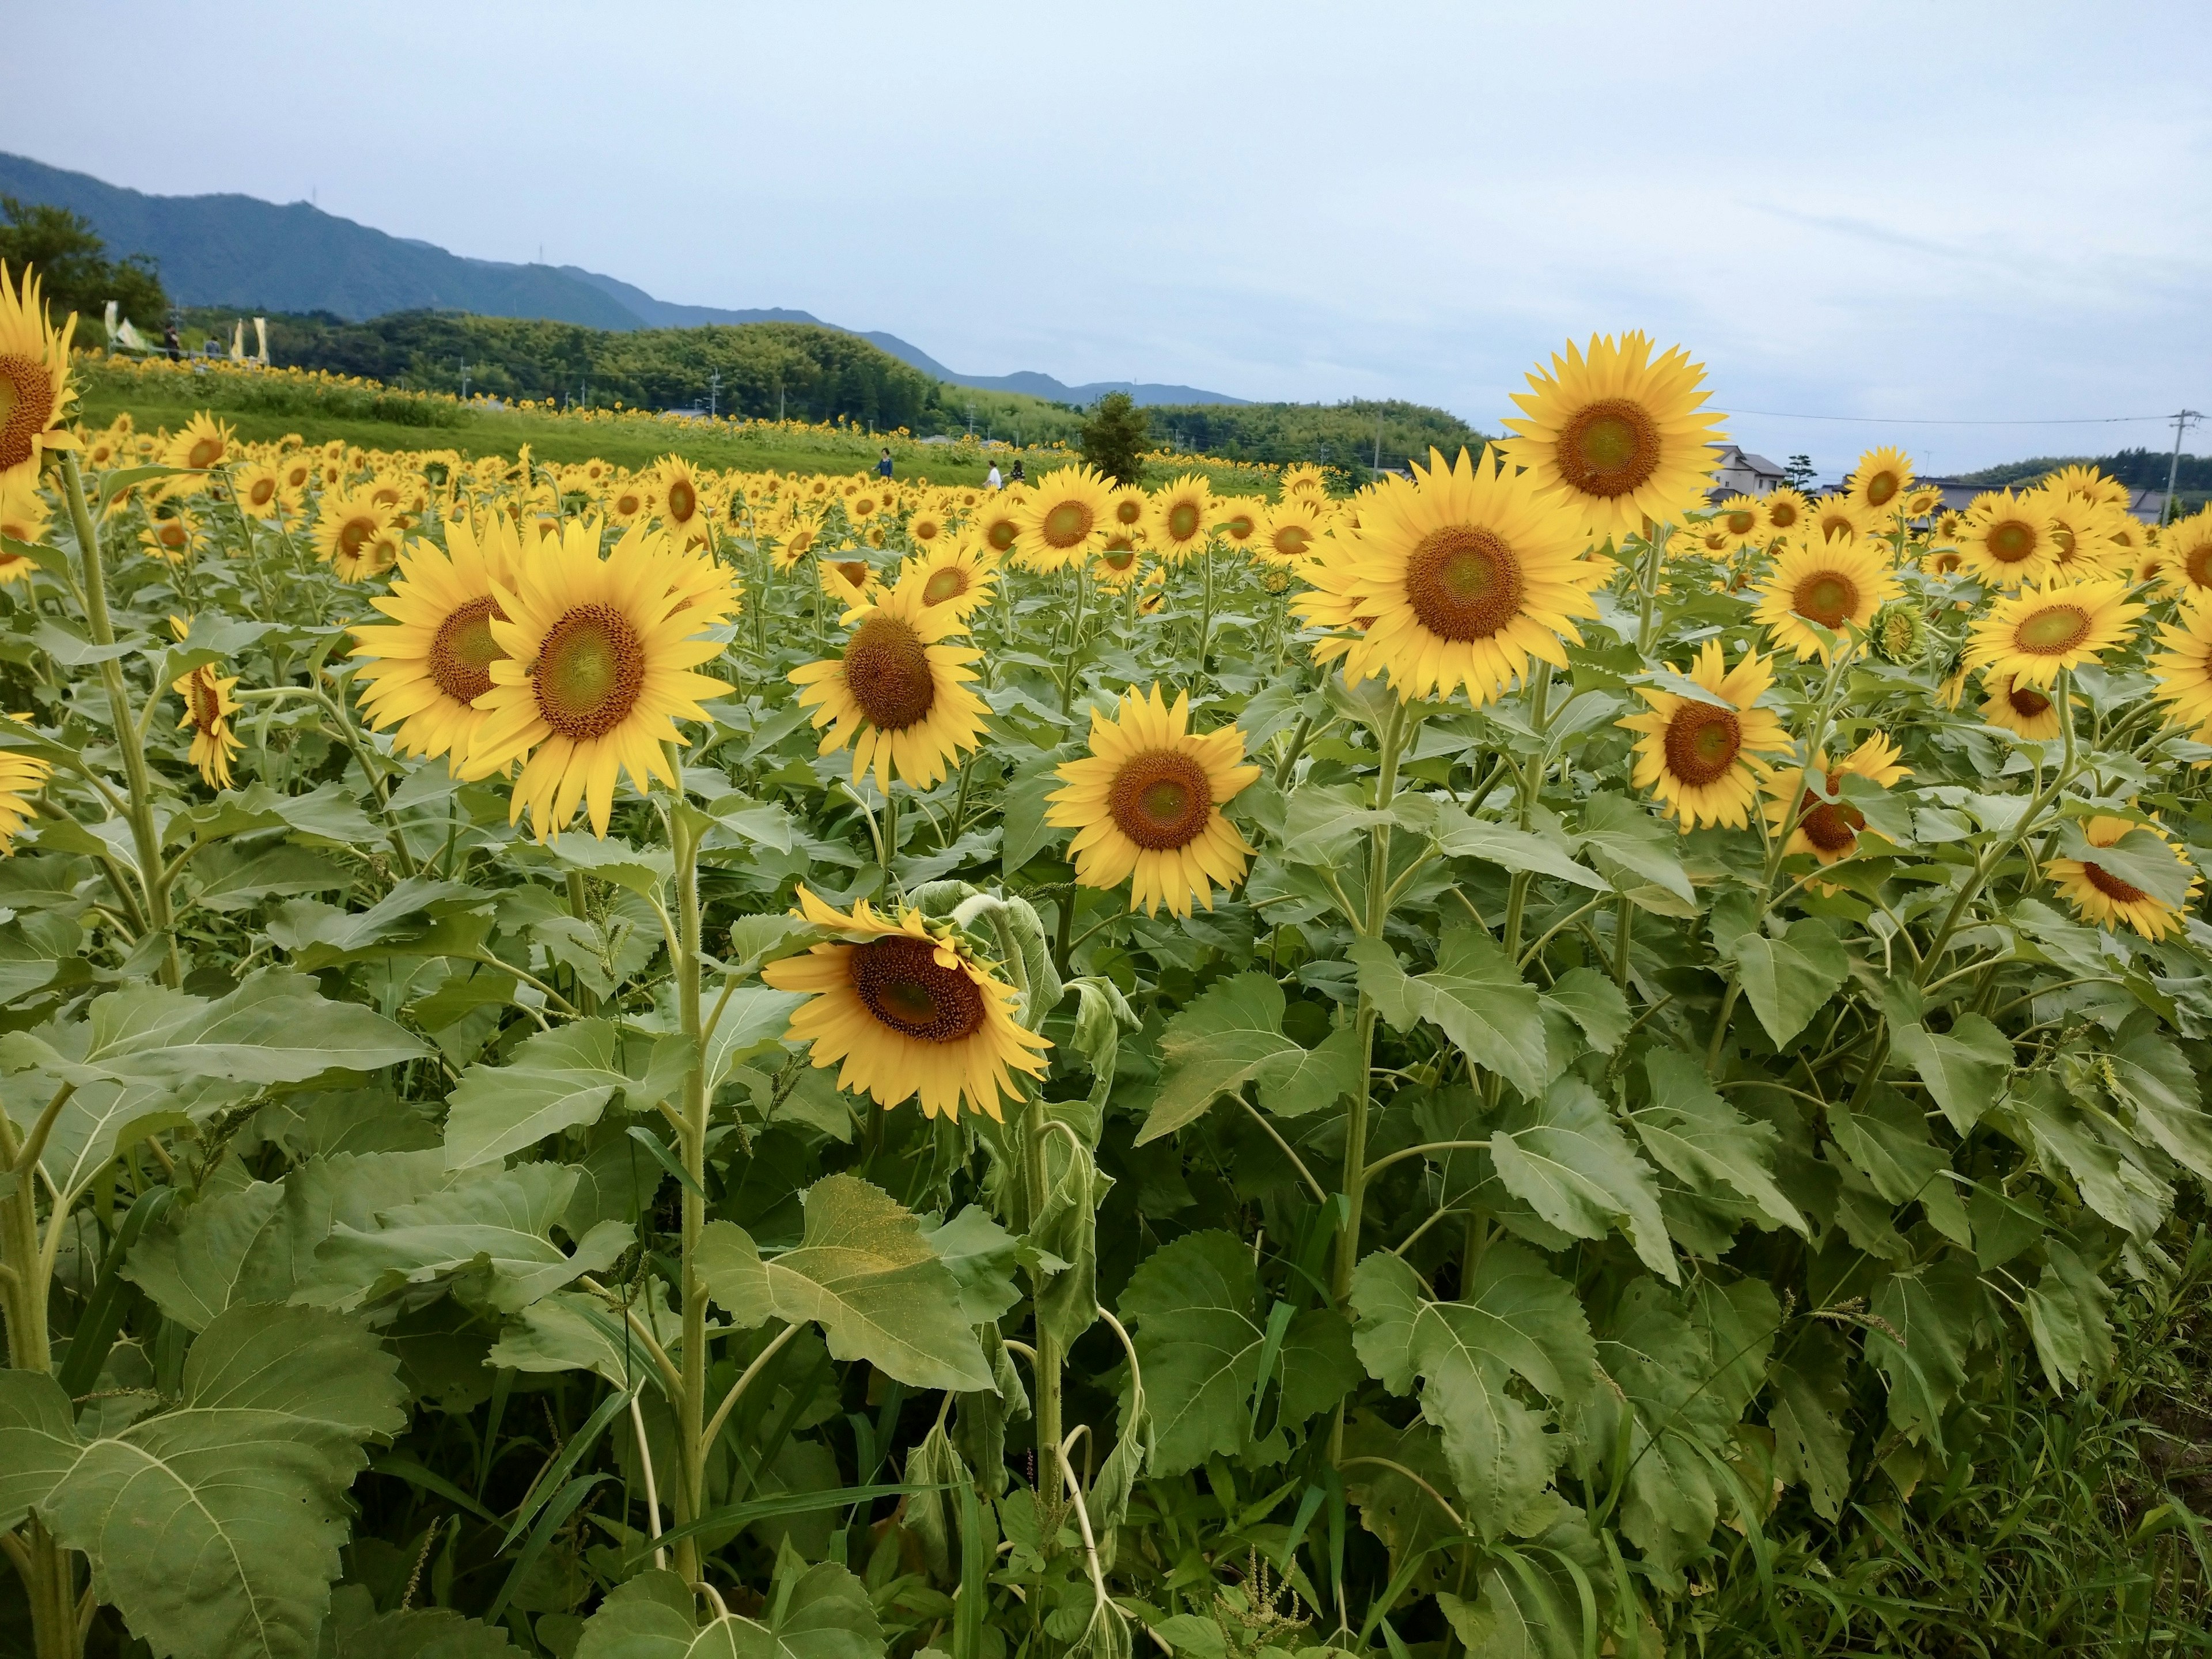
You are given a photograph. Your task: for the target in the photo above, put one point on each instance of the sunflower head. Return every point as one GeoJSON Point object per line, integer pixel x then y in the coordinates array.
{"type": "Point", "coordinates": [2034, 634]}
{"type": "Point", "coordinates": [1183, 517]}
{"type": "Point", "coordinates": [35, 393]}
{"type": "Point", "coordinates": [1742, 521]}
{"type": "Point", "coordinates": [1066, 516]}
{"type": "Point", "coordinates": [1704, 757]}
{"type": "Point", "coordinates": [1880, 488]}
{"type": "Point", "coordinates": [1900, 632]}
{"type": "Point", "coordinates": [2006, 539]}
{"type": "Point", "coordinates": [1839, 582]}
{"type": "Point", "coordinates": [1808, 800]}
{"type": "Point", "coordinates": [1786, 510]}
{"type": "Point", "coordinates": [898, 695]}
{"type": "Point", "coordinates": [2104, 896]}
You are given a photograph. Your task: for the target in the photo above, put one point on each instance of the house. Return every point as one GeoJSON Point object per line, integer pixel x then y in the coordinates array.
{"type": "Point", "coordinates": [1741, 473]}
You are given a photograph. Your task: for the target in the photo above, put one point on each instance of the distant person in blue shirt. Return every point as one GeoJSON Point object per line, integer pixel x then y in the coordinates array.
{"type": "Point", "coordinates": [883, 466]}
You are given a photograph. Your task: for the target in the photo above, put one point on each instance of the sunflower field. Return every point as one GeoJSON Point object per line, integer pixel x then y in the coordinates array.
{"type": "Point", "coordinates": [638, 1064]}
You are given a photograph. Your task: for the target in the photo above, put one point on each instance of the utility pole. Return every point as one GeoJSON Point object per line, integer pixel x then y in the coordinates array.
{"type": "Point", "coordinates": [1378, 439]}
{"type": "Point", "coordinates": [2181, 424]}
{"type": "Point", "coordinates": [464, 377]}
{"type": "Point", "coordinates": [714, 394]}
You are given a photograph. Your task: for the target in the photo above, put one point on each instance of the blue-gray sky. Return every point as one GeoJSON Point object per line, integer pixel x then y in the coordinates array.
{"type": "Point", "coordinates": [1947, 211]}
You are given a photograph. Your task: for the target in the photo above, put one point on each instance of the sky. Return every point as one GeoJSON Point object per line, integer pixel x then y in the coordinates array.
{"type": "Point", "coordinates": [1955, 214]}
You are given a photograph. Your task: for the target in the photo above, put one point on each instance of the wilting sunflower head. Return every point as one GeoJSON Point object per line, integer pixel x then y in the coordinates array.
{"type": "Point", "coordinates": [34, 381]}
{"type": "Point", "coordinates": [1704, 757]}
{"type": "Point", "coordinates": [1145, 804]}
{"type": "Point", "coordinates": [1881, 485]}
{"type": "Point", "coordinates": [1183, 517]}
{"type": "Point", "coordinates": [1900, 632]}
{"type": "Point", "coordinates": [2037, 634]}
{"type": "Point", "coordinates": [1065, 517]}
{"type": "Point", "coordinates": [906, 1011]}
{"type": "Point", "coordinates": [208, 706]}
{"type": "Point", "coordinates": [898, 695]}
{"type": "Point", "coordinates": [1621, 437]}
{"type": "Point", "coordinates": [2100, 891]}
{"type": "Point", "coordinates": [1839, 583]}
{"type": "Point", "coordinates": [425, 669]}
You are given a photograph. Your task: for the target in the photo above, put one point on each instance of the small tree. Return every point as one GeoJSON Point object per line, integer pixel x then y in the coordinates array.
{"type": "Point", "coordinates": [1115, 437]}
{"type": "Point", "coordinates": [74, 268]}
{"type": "Point", "coordinates": [1800, 472]}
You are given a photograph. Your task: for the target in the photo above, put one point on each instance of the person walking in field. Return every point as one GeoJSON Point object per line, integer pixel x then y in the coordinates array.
{"type": "Point", "coordinates": [991, 479]}
{"type": "Point", "coordinates": [883, 466]}
{"type": "Point", "coordinates": [1016, 476]}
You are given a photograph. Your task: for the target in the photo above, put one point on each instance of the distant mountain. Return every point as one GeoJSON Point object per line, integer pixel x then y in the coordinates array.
{"type": "Point", "coordinates": [242, 253]}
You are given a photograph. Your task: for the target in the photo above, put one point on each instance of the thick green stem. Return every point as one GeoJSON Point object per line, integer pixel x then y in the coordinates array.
{"type": "Point", "coordinates": [1205, 609]}
{"type": "Point", "coordinates": [1036, 1132]}
{"type": "Point", "coordinates": [49, 1575]}
{"type": "Point", "coordinates": [145, 837]}
{"type": "Point", "coordinates": [691, 1403]}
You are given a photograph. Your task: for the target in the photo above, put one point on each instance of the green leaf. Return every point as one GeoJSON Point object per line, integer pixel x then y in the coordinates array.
{"type": "Point", "coordinates": [1625, 835]}
{"type": "Point", "coordinates": [2139, 858]}
{"type": "Point", "coordinates": [822, 1611]}
{"type": "Point", "coordinates": [558, 1080]}
{"type": "Point", "coordinates": [1022, 811]}
{"type": "Point", "coordinates": [2154, 1075]}
{"type": "Point", "coordinates": [1812, 1445]}
{"type": "Point", "coordinates": [2112, 1177]}
{"type": "Point", "coordinates": [1569, 1161]}
{"type": "Point", "coordinates": [1886, 1139]}
{"type": "Point", "coordinates": [1459, 836]}
{"type": "Point", "coordinates": [1964, 1068]}
{"type": "Point", "coordinates": [753, 1021]}
{"type": "Point", "coordinates": [406, 923]}
{"type": "Point", "coordinates": [233, 878]}
{"type": "Point", "coordinates": [863, 1272]}
{"type": "Point", "coordinates": [982, 1256]}
{"type": "Point", "coordinates": [573, 1330]}
{"type": "Point", "coordinates": [1473, 994]}
{"type": "Point", "coordinates": [1233, 1036]}
{"type": "Point", "coordinates": [2066, 1317]}
{"type": "Point", "coordinates": [1693, 1134]}
{"type": "Point", "coordinates": [1593, 1002]}
{"type": "Point", "coordinates": [1788, 980]}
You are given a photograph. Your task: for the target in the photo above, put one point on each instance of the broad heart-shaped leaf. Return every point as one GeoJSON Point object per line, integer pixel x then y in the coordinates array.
{"type": "Point", "coordinates": [753, 1020]}
{"type": "Point", "coordinates": [1787, 980]}
{"type": "Point", "coordinates": [981, 1255]}
{"type": "Point", "coordinates": [214, 1527]}
{"type": "Point", "coordinates": [1623, 833]}
{"type": "Point", "coordinates": [864, 1272]}
{"type": "Point", "coordinates": [1233, 1036]}
{"type": "Point", "coordinates": [1693, 1134]}
{"type": "Point", "coordinates": [570, 1330]}
{"type": "Point", "coordinates": [1964, 1068]}
{"type": "Point", "coordinates": [1201, 1337]}
{"type": "Point", "coordinates": [2154, 1076]}
{"type": "Point", "coordinates": [1459, 836]}
{"type": "Point", "coordinates": [821, 1612]}
{"type": "Point", "coordinates": [1518, 1318]}
{"type": "Point", "coordinates": [558, 1079]}
{"type": "Point", "coordinates": [1569, 1161]}
{"type": "Point", "coordinates": [1593, 1002]}
{"type": "Point", "coordinates": [491, 1235]}
{"type": "Point", "coordinates": [1472, 993]}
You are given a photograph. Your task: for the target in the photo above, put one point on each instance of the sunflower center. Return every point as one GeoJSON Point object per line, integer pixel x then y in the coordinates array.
{"type": "Point", "coordinates": [2065, 538]}
{"type": "Point", "coordinates": [354, 534]}
{"type": "Point", "coordinates": [1292, 540]}
{"type": "Point", "coordinates": [2053, 630]}
{"type": "Point", "coordinates": [1831, 825]}
{"type": "Point", "coordinates": [887, 671]}
{"type": "Point", "coordinates": [1609, 447]}
{"type": "Point", "coordinates": [1161, 800]}
{"type": "Point", "coordinates": [1118, 558]}
{"type": "Point", "coordinates": [261, 491]}
{"type": "Point", "coordinates": [27, 402]}
{"type": "Point", "coordinates": [682, 501]}
{"type": "Point", "coordinates": [925, 530]}
{"type": "Point", "coordinates": [2026, 703]}
{"type": "Point", "coordinates": [1128, 511]}
{"type": "Point", "coordinates": [462, 651]}
{"type": "Point", "coordinates": [207, 703]}
{"type": "Point", "coordinates": [1463, 583]}
{"type": "Point", "coordinates": [589, 672]}
{"type": "Point", "coordinates": [2011, 541]}
{"type": "Point", "coordinates": [949, 583]}
{"type": "Point", "coordinates": [1183, 520]}
{"type": "Point", "coordinates": [1702, 743]}
{"type": "Point", "coordinates": [1239, 526]}
{"type": "Point", "coordinates": [1782, 514]}
{"type": "Point", "coordinates": [1880, 488]}
{"type": "Point", "coordinates": [900, 983]}
{"type": "Point", "coordinates": [1066, 524]}
{"type": "Point", "coordinates": [2112, 886]}
{"type": "Point", "coordinates": [206, 453]}
{"type": "Point", "coordinates": [1741, 522]}
{"type": "Point", "coordinates": [2197, 562]}
{"type": "Point", "coordinates": [1827, 597]}
{"type": "Point", "coordinates": [170, 533]}
{"type": "Point", "coordinates": [627, 506]}
{"type": "Point", "coordinates": [1002, 534]}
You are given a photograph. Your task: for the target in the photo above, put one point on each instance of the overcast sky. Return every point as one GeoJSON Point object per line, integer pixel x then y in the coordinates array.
{"type": "Point", "coordinates": [1936, 211]}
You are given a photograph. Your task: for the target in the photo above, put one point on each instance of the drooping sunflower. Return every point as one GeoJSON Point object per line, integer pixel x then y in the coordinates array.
{"type": "Point", "coordinates": [1145, 805]}
{"type": "Point", "coordinates": [426, 668]}
{"type": "Point", "coordinates": [1839, 582]}
{"type": "Point", "coordinates": [1620, 436]}
{"type": "Point", "coordinates": [1183, 517]}
{"type": "Point", "coordinates": [898, 695]}
{"type": "Point", "coordinates": [851, 580]}
{"type": "Point", "coordinates": [2018, 708]}
{"type": "Point", "coordinates": [1066, 517]}
{"type": "Point", "coordinates": [2183, 667]}
{"type": "Point", "coordinates": [208, 706]}
{"type": "Point", "coordinates": [1292, 529]}
{"type": "Point", "coordinates": [955, 577]}
{"type": "Point", "coordinates": [21, 776]}
{"type": "Point", "coordinates": [598, 669]}
{"type": "Point", "coordinates": [1829, 830]}
{"type": "Point", "coordinates": [2036, 633]}
{"type": "Point", "coordinates": [1466, 573]}
{"type": "Point", "coordinates": [2185, 555]}
{"type": "Point", "coordinates": [34, 381]}
{"type": "Point", "coordinates": [682, 506]}
{"type": "Point", "coordinates": [1785, 510]}
{"type": "Point", "coordinates": [2099, 896]}
{"type": "Point", "coordinates": [905, 1010]}
{"type": "Point", "coordinates": [996, 524]}
{"type": "Point", "coordinates": [348, 523]}
{"type": "Point", "coordinates": [1704, 761]}
{"type": "Point", "coordinates": [2005, 539]}
{"type": "Point", "coordinates": [1742, 520]}
{"type": "Point", "coordinates": [1880, 487]}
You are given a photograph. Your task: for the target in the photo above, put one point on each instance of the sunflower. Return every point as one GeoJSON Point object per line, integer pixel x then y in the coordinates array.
{"type": "Point", "coordinates": [169, 536]}
{"type": "Point", "coordinates": [927, 528]}
{"type": "Point", "coordinates": [260, 490]}
{"type": "Point", "coordinates": [24, 516]}
{"type": "Point", "coordinates": [2098, 895]}
{"type": "Point", "coordinates": [997, 524]}
{"type": "Point", "coordinates": [1920, 501]}
{"type": "Point", "coordinates": [1119, 562]}
{"type": "Point", "coordinates": [428, 666]}
{"type": "Point", "coordinates": [2034, 634]}
{"type": "Point", "coordinates": [1829, 829]}
{"type": "Point", "coordinates": [1832, 516]}
{"type": "Point", "coordinates": [1183, 517]}
{"type": "Point", "coordinates": [208, 708]}
{"type": "Point", "coordinates": [1900, 632]}
{"type": "Point", "coordinates": [2182, 667]}
{"type": "Point", "coordinates": [296, 474]}
{"type": "Point", "coordinates": [1838, 583]}
{"type": "Point", "coordinates": [1065, 517]}
{"type": "Point", "coordinates": [2087, 484]}
{"type": "Point", "coordinates": [596, 672]}
{"type": "Point", "coordinates": [203, 443]}
{"type": "Point", "coordinates": [1239, 521]}
{"type": "Point", "coordinates": [2184, 551]}
{"type": "Point", "coordinates": [1880, 487]}
{"type": "Point", "coordinates": [346, 525]}
{"type": "Point", "coordinates": [1705, 758]}
{"type": "Point", "coordinates": [2005, 539]}
{"type": "Point", "coordinates": [21, 776]}
{"type": "Point", "coordinates": [898, 695]}
{"type": "Point", "coordinates": [34, 385]}
{"type": "Point", "coordinates": [850, 581]}
{"type": "Point", "coordinates": [1785, 509]}
{"type": "Point", "coordinates": [1145, 805]}
{"type": "Point", "coordinates": [1127, 506]}
{"type": "Point", "coordinates": [1465, 572]}
{"type": "Point", "coordinates": [909, 1010]}
{"type": "Point", "coordinates": [631, 500]}
{"type": "Point", "coordinates": [1291, 530]}
{"type": "Point", "coordinates": [2081, 536]}
{"type": "Point", "coordinates": [958, 578]}
{"type": "Point", "coordinates": [1742, 520]}
{"type": "Point", "coordinates": [683, 507]}
{"type": "Point", "coordinates": [1620, 436]}
{"type": "Point", "coordinates": [1304, 479]}
{"type": "Point", "coordinates": [2020, 709]}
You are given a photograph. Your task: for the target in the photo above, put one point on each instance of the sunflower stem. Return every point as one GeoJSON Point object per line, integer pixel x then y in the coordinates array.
{"type": "Point", "coordinates": [692, 1399]}
{"type": "Point", "coordinates": [1205, 609]}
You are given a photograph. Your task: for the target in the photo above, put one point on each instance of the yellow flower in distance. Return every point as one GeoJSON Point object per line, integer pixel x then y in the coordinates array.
{"type": "Point", "coordinates": [2081, 537]}
{"type": "Point", "coordinates": [1829, 830]}
{"type": "Point", "coordinates": [1119, 562]}
{"type": "Point", "coordinates": [1839, 582]}
{"type": "Point", "coordinates": [34, 384]}
{"type": "Point", "coordinates": [260, 492]}
{"type": "Point", "coordinates": [208, 706]}
{"type": "Point", "coordinates": [2038, 632]}
{"type": "Point", "coordinates": [683, 510]}
{"type": "Point", "coordinates": [1742, 520]}
{"type": "Point", "coordinates": [996, 525]}
{"type": "Point", "coordinates": [1704, 761]}
{"type": "Point", "coordinates": [1066, 516]}
{"type": "Point", "coordinates": [2088, 484]}
{"type": "Point", "coordinates": [2099, 896]}
{"type": "Point", "coordinates": [1292, 529]}
{"type": "Point", "coordinates": [906, 1011]}
{"type": "Point", "coordinates": [345, 529]}
{"type": "Point", "coordinates": [426, 668]}
{"type": "Point", "coordinates": [1619, 435]}
{"type": "Point", "coordinates": [598, 669]}
{"type": "Point", "coordinates": [1466, 573]}
{"type": "Point", "coordinates": [898, 695]}
{"type": "Point", "coordinates": [1145, 805]}
{"type": "Point", "coordinates": [1786, 510]}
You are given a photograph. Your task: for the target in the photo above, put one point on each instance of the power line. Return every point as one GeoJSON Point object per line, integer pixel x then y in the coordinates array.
{"type": "Point", "coordinates": [1883, 420]}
